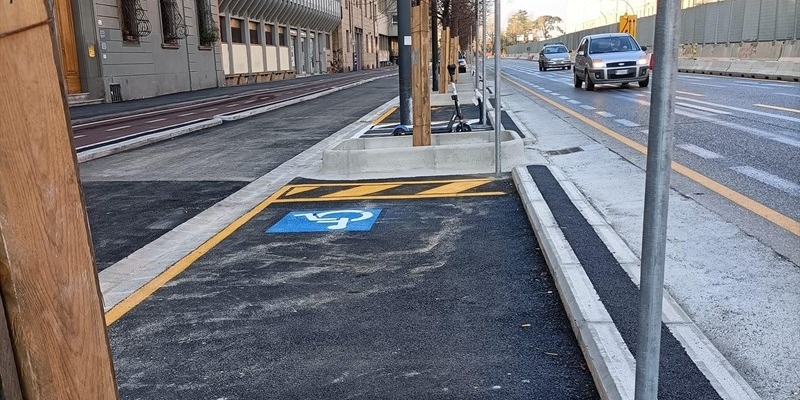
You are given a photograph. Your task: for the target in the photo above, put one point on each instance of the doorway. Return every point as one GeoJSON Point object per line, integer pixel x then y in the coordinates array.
{"type": "Point", "coordinates": [67, 45]}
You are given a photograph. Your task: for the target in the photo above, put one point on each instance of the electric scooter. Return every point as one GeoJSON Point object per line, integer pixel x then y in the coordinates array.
{"type": "Point", "coordinates": [456, 123]}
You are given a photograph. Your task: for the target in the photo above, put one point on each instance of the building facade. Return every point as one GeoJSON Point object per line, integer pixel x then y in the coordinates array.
{"type": "Point", "coordinates": [363, 39]}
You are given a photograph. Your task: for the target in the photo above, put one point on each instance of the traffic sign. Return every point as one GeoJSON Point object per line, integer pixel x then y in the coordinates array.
{"type": "Point", "coordinates": [326, 221]}
{"type": "Point", "coordinates": [627, 24]}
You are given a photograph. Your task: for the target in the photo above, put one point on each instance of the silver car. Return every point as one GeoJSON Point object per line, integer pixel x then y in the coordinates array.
{"type": "Point", "coordinates": [610, 58]}
{"type": "Point", "coordinates": [554, 56]}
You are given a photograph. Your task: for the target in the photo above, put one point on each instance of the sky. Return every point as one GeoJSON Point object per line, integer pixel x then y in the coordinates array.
{"type": "Point", "coordinates": [575, 13]}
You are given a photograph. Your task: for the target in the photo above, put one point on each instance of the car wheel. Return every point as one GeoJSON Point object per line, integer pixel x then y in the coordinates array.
{"type": "Point", "coordinates": [569, 67]}
{"type": "Point", "coordinates": [540, 66]}
{"type": "Point", "coordinates": [644, 83]}
{"type": "Point", "coordinates": [589, 83]}
{"type": "Point", "coordinates": [578, 82]}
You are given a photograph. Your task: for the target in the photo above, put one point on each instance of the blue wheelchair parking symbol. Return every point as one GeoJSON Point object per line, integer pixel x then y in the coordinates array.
{"type": "Point", "coordinates": [326, 221]}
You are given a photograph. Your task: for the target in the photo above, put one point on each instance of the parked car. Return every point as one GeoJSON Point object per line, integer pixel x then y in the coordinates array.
{"type": "Point", "coordinates": [610, 58]}
{"type": "Point", "coordinates": [462, 63]}
{"type": "Point", "coordinates": [554, 56]}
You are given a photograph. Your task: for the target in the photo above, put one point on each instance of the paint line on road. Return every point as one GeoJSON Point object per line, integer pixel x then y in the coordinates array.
{"type": "Point", "coordinates": [707, 84]}
{"type": "Point", "coordinates": [555, 94]}
{"type": "Point", "coordinates": [699, 151]}
{"type": "Point", "coordinates": [587, 107]}
{"type": "Point", "coordinates": [777, 182]}
{"type": "Point", "coordinates": [777, 108]}
{"type": "Point", "coordinates": [563, 97]}
{"type": "Point", "coordinates": [744, 110]}
{"type": "Point", "coordinates": [574, 101]}
{"type": "Point", "coordinates": [232, 105]}
{"type": "Point", "coordinates": [690, 93]}
{"type": "Point", "coordinates": [211, 109]}
{"type": "Point", "coordinates": [605, 114]}
{"type": "Point", "coordinates": [186, 114]}
{"type": "Point", "coordinates": [788, 94]}
{"type": "Point", "coordinates": [117, 128]}
{"type": "Point", "coordinates": [696, 107]}
{"type": "Point", "coordinates": [155, 120]}
{"type": "Point", "coordinates": [627, 123]}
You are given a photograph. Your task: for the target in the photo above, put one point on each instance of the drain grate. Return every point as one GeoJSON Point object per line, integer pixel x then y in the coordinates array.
{"type": "Point", "coordinates": [116, 92]}
{"type": "Point", "coordinates": [563, 151]}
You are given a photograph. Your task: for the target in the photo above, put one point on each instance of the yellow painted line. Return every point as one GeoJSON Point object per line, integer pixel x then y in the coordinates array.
{"type": "Point", "coordinates": [431, 182]}
{"type": "Point", "coordinates": [384, 116]}
{"type": "Point", "coordinates": [753, 206]}
{"type": "Point", "coordinates": [690, 93]}
{"type": "Point", "coordinates": [452, 188]}
{"type": "Point", "coordinates": [363, 190]}
{"type": "Point", "coordinates": [135, 298]}
{"type": "Point", "coordinates": [300, 189]}
{"type": "Point", "coordinates": [777, 108]}
{"type": "Point", "coordinates": [389, 197]}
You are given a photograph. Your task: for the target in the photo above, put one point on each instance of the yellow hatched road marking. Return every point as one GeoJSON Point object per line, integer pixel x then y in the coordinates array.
{"type": "Point", "coordinates": [300, 189]}
{"type": "Point", "coordinates": [389, 197]}
{"type": "Point", "coordinates": [777, 108]}
{"type": "Point", "coordinates": [753, 206]}
{"type": "Point", "coordinates": [432, 182]}
{"type": "Point", "coordinates": [362, 190]}
{"type": "Point", "coordinates": [384, 116]}
{"type": "Point", "coordinates": [452, 188]}
{"type": "Point", "coordinates": [135, 298]}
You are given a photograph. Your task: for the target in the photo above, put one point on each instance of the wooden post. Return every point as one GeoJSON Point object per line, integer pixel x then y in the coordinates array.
{"type": "Point", "coordinates": [9, 381]}
{"type": "Point", "coordinates": [455, 57]}
{"type": "Point", "coordinates": [420, 86]}
{"type": "Point", "coordinates": [48, 281]}
{"type": "Point", "coordinates": [444, 83]}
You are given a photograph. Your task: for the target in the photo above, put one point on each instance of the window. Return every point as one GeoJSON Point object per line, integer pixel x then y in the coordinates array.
{"type": "Point", "coordinates": [133, 19]}
{"type": "Point", "coordinates": [282, 36]}
{"type": "Point", "coordinates": [236, 31]}
{"type": "Point", "coordinates": [207, 31]}
{"type": "Point", "coordinates": [254, 37]}
{"type": "Point", "coordinates": [269, 40]}
{"type": "Point", "coordinates": [394, 19]}
{"type": "Point", "coordinates": [172, 26]}
{"type": "Point", "coordinates": [223, 29]}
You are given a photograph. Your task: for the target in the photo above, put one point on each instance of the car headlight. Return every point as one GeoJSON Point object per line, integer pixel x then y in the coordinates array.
{"type": "Point", "coordinates": [642, 61]}
{"type": "Point", "coordinates": [597, 64]}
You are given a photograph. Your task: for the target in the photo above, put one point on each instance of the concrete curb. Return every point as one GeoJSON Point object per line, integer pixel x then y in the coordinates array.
{"type": "Point", "coordinates": [145, 140]}
{"type": "Point", "coordinates": [606, 368]}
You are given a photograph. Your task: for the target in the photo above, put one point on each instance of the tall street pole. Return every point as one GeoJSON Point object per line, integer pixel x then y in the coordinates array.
{"type": "Point", "coordinates": [435, 45]}
{"type": "Point", "coordinates": [483, 69]}
{"type": "Point", "coordinates": [656, 199]}
{"type": "Point", "coordinates": [404, 34]}
{"type": "Point", "coordinates": [497, 50]}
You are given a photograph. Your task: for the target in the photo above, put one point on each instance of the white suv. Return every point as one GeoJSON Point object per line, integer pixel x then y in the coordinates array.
{"type": "Point", "coordinates": [610, 58]}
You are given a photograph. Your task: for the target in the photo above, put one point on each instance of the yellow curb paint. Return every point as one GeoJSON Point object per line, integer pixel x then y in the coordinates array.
{"type": "Point", "coordinates": [138, 296]}
{"type": "Point", "coordinates": [753, 206]}
{"type": "Point", "coordinates": [452, 188]}
{"type": "Point", "coordinates": [384, 116]}
{"type": "Point", "coordinates": [362, 190]}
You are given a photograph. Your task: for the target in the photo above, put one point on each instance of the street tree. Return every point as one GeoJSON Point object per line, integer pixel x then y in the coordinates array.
{"type": "Point", "coordinates": [546, 25]}
{"type": "Point", "coordinates": [519, 24]}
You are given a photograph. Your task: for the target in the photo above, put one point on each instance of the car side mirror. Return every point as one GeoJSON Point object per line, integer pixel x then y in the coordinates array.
{"type": "Point", "coordinates": [644, 48]}
{"type": "Point", "coordinates": [580, 52]}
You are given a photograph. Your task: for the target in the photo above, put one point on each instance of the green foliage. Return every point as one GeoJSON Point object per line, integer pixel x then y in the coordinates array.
{"type": "Point", "coordinates": [546, 24]}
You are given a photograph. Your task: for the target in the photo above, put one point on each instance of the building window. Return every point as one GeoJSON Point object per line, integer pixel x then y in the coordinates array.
{"type": "Point", "coordinates": [172, 26]}
{"type": "Point", "coordinates": [254, 38]}
{"type": "Point", "coordinates": [236, 31]}
{"type": "Point", "coordinates": [394, 19]}
{"type": "Point", "coordinates": [223, 29]}
{"type": "Point", "coordinates": [282, 36]}
{"type": "Point", "coordinates": [269, 40]}
{"type": "Point", "coordinates": [207, 30]}
{"type": "Point", "coordinates": [133, 18]}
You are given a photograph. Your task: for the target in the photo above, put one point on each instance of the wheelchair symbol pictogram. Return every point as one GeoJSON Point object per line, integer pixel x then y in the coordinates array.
{"type": "Point", "coordinates": [337, 219]}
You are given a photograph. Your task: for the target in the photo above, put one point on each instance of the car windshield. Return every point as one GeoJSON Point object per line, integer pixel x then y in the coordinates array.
{"type": "Point", "coordinates": [612, 45]}
{"type": "Point", "coordinates": [555, 50]}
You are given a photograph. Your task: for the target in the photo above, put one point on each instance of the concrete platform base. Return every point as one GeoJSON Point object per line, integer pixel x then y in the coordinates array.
{"type": "Point", "coordinates": [449, 153]}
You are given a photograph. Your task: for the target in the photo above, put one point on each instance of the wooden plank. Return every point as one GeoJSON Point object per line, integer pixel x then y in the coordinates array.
{"type": "Point", "coordinates": [444, 42]}
{"type": "Point", "coordinates": [454, 52]}
{"type": "Point", "coordinates": [9, 381]}
{"type": "Point", "coordinates": [48, 280]}
{"type": "Point", "coordinates": [420, 84]}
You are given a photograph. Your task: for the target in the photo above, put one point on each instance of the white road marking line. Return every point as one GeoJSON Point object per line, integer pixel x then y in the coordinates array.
{"type": "Point", "coordinates": [186, 114]}
{"type": "Point", "coordinates": [707, 84]}
{"type": "Point", "coordinates": [155, 120]}
{"type": "Point", "coordinates": [699, 78]}
{"type": "Point", "coordinates": [605, 114]}
{"type": "Point", "coordinates": [211, 109]}
{"type": "Point", "coordinates": [232, 105]}
{"type": "Point", "coordinates": [563, 97]}
{"type": "Point", "coordinates": [555, 94]}
{"type": "Point", "coordinates": [777, 182]}
{"type": "Point", "coordinates": [690, 93]}
{"type": "Point", "coordinates": [789, 94]}
{"type": "Point", "coordinates": [587, 107]}
{"type": "Point", "coordinates": [777, 108]}
{"type": "Point", "coordinates": [118, 128]}
{"type": "Point", "coordinates": [547, 91]}
{"type": "Point", "coordinates": [699, 151]}
{"type": "Point", "coordinates": [79, 136]}
{"type": "Point", "coordinates": [573, 101]}
{"type": "Point", "coordinates": [711, 110]}
{"type": "Point", "coordinates": [627, 123]}
{"type": "Point", "coordinates": [744, 110]}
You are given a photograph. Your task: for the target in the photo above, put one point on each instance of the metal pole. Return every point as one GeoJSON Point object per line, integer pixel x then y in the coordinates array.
{"type": "Point", "coordinates": [435, 45]}
{"type": "Point", "coordinates": [656, 199]}
{"type": "Point", "coordinates": [497, 50]}
{"type": "Point", "coordinates": [485, 100]}
{"type": "Point", "coordinates": [404, 34]}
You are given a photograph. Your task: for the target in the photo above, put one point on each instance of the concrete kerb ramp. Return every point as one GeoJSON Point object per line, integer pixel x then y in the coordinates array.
{"type": "Point", "coordinates": [449, 153]}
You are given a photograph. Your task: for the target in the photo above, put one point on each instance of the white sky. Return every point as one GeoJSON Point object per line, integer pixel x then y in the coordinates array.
{"type": "Point", "coordinates": [575, 12]}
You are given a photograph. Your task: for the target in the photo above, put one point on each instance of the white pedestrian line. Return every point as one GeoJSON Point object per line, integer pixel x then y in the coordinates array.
{"type": "Point", "coordinates": [186, 114]}
{"type": "Point", "coordinates": [777, 182]}
{"type": "Point", "coordinates": [777, 108]}
{"type": "Point", "coordinates": [744, 110]}
{"type": "Point", "coordinates": [690, 93]}
{"type": "Point", "coordinates": [155, 120]}
{"type": "Point", "coordinates": [79, 136]}
{"type": "Point", "coordinates": [573, 101]}
{"type": "Point", "coordinates": [627, 123]}
{"type": "Point", "coordinates": [605, 114]}
{"type": "Point", "coordinates": [587, 107]}
{"type": "Point", "coordinates": [711, 110]}
{"type": "Point", "coordinates": [699, 151]}
{"type": "Point", "coordinates": [789, 94]}
{"type": "Point", "coordinates": [211, 109]}
{"type": "Point", "coordinates": [232, 105]}
{"type": "Point", "coordinates": [118, 128]}
{"type": "Point", "coordinates": [563, 97]}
